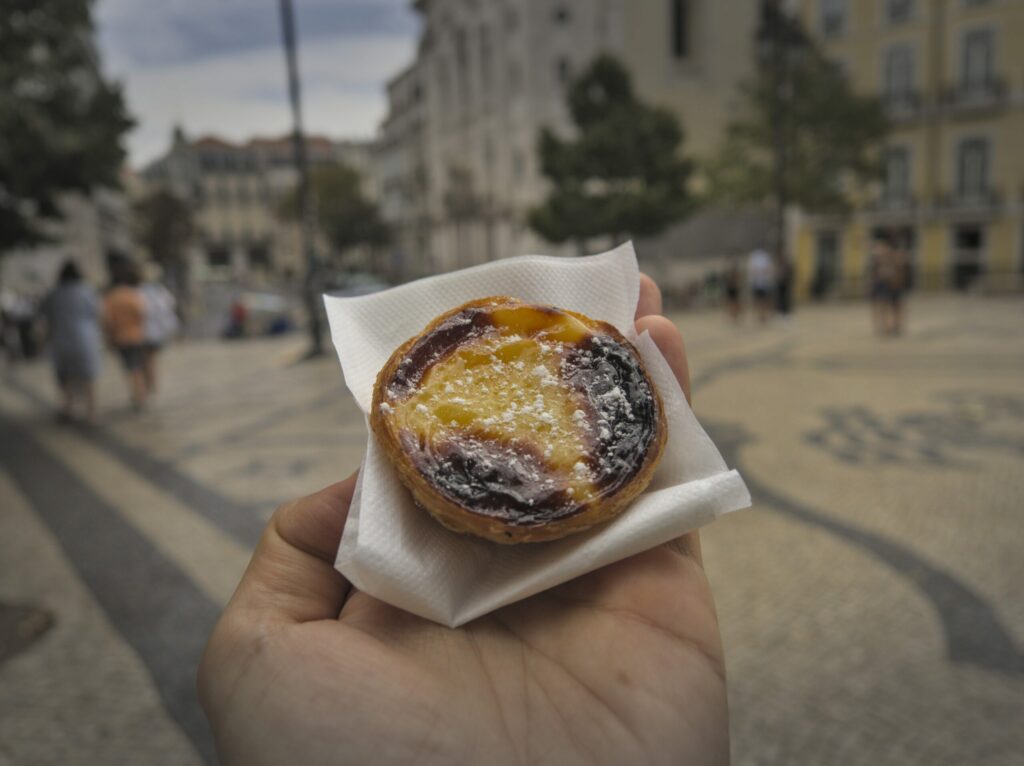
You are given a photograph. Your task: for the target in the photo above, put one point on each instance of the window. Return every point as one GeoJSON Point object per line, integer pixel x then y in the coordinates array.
{"type": "Point", "coordinates": [978, 49]}
{"type": "Point", "coordinates": [897, 173]}
{"type": "Point", "coordinates": [444, 82]}
{"type": "Point", "coordinates": [833, 17]}
{"type": "Point", "coordinates": [259, 255]}
{"type": "Point", "coordinates": [898, 11]}
{"type": "Point", "coordinates": [218, 256]}
{"type": "Point", "coordinates": [488, 151]}
{"type": "Point", "coordinates": [462, 65]}
{"type": "Point", "coordinates": [518, 165]}
{"type": "Point", "coordinates": [899, 72]}
{"type": "Point", "coordinates": [485, 60]}
{"type": "Point", "coordinates": [972, 167]}
{"type": "Point", "coordinates": [680, 29]}
{"type": "Point", "coordinates": [564, 70]}
{"type": "Point", "coordinates": [515, 79]}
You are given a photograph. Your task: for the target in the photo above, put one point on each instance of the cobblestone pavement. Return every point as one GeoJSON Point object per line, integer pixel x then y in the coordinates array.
{"type": "Point", "coordinates": [870, 602]}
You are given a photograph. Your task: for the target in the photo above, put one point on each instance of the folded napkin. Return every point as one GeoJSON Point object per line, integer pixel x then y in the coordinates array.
{"type": "Point", "coordinates": [396, 552]}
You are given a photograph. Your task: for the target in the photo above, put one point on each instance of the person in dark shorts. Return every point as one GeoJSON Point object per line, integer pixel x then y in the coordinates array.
{"type": "Point", "coordinates": [124, 317]}
{"type": "Point", "coordinates": [732, 278]}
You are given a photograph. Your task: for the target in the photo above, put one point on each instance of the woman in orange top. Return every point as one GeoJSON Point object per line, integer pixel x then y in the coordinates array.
{"type": "Point", "coordinates": [123, 318]}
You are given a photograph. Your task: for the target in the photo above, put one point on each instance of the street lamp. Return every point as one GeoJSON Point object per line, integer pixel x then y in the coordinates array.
{"type": "Point", "coordinates": [311, 283]}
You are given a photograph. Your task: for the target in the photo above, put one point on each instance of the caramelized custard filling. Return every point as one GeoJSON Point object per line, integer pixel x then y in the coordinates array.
{"type": "Point", "coordinates": [521, 412]}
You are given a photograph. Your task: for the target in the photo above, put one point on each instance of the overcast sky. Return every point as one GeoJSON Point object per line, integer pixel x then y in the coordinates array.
{"type": "Point", "coordinates": [217, 66]}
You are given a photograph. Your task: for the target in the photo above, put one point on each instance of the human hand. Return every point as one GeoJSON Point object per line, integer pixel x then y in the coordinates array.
{"type": "Point", "coordinates": [622, 665]}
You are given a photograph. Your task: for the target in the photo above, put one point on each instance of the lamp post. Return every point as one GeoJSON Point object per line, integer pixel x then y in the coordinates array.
{"type": "Point", "coordinates": [307, 214]}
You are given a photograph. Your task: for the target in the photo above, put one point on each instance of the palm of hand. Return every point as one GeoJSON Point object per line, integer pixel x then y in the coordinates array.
{"type": "Point", "coordinates": [623, 665]}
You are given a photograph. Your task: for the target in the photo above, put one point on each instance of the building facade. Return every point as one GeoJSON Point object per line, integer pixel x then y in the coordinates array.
{"type": "Point", "coordinates": [399, 167]}
{"type": "Point", "coordinates": [951, 73]}
{"type": "Point", "coordinates": [495, 73]}
{"type": "Point", "coordinates": [235, 190]}
{"type": "Point", "coordinates": [457, 163]}
{"type": "Point", "coordinates": [93, 228]}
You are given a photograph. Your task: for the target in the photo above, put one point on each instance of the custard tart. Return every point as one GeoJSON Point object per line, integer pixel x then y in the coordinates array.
{"type": "Point", "coordinates": [519, 423]}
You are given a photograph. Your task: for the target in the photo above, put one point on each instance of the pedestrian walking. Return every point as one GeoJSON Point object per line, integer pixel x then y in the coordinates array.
{"type": "Point", "coordinates": [784, 285]}
{"type": "Point", "coordinates": [761, 280]}
{"type": "Point", "coordinates": [124, 320]}
{"type": "Point", "coordinates": [732, 279]}
{"type": "Point", "coordinates": [72, 313]}
{"type": "Point", "coordinates": [160, 323]}
{"type": "Point", "coordinates": [890, 266]}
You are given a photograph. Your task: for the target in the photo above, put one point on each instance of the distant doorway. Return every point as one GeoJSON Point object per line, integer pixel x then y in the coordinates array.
{"type": "Point", "coordinates": [968, 251]}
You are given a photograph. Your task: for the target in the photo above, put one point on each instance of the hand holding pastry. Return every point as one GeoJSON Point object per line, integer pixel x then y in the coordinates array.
{"type": "Point", "coordinates": [623, 665]}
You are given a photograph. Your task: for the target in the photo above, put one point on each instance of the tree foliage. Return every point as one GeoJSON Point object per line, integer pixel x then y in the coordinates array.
{"type": "Point", "coordinates": [803, 136]}
{"type": "Point", "coordinates": [61, 122]}
{"type": "Point", "coordinates": [345, 215]}
{"type": "Point", "coordinates": [164, 225]}
{"type": "Point", "coordinates": [622, 174]}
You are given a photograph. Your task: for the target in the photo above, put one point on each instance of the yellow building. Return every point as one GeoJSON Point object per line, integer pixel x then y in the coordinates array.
{"type": "Point", "coordinates": [952, 75]}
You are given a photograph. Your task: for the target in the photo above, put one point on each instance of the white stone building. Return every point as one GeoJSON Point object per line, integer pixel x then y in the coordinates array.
{"type": "Point", "coordinates": [92, 228]}
{"type": "Point", "coordinates": [494, 74]}
{"type": "Point", "coordinates": [399, 172]}
{"type": "Point", "coordinates": [489, 74]}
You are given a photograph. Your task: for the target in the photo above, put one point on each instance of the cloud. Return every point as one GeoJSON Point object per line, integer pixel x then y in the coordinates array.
{"type": "Point", "coordinates": [217, 66]}
{"type": "Point", "coordinates": [154, 34]}
{"type": "Point", "coordinates": [245, 95]}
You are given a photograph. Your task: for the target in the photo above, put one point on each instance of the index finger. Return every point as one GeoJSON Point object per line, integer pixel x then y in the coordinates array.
{"type": "Point", "coordinates": [649, 301]}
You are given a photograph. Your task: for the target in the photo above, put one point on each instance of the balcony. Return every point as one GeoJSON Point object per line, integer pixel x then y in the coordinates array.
{"type": "Point", "coordinates": [903, 106]}
{"type": "Point", "coordinates": [982, 96]}
{"type": "Point", "coordinates": [986, 203]}
{"type": "Point", "coordinates": [893, 205]}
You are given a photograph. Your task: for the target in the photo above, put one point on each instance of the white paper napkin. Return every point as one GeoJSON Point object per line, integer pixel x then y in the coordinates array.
{"type": "Point", "coordinates": [396, 552]}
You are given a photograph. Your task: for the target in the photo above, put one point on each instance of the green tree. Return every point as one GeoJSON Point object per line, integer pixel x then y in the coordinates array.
{"type": "Point", "coordinates": [164, 226]}
{"type": "Point", "coordinates": [61, 123]}
{"type": "Point", "coordinates": [345, 215]}
{"type": "Point", "coordinates": [803, 136]}
{"type": "Point", "coordinates": [622, 174]}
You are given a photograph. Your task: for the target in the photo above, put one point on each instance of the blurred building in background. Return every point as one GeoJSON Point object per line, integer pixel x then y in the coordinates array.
{"type": "Point", "coordinates": [456, 163]}
{"type": "Point", "coordinates": [399, 171]}
{"type": "Point", "coordinates": [235, 190]}
{"type": "Point", "coordinates": [691, 56]}
{"type": "Point", "coordinates": [494, 73]}
{"type": "Point", "coordinates": [94, 228]}
{"type": "Point", "coordinates": [952, 75]}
